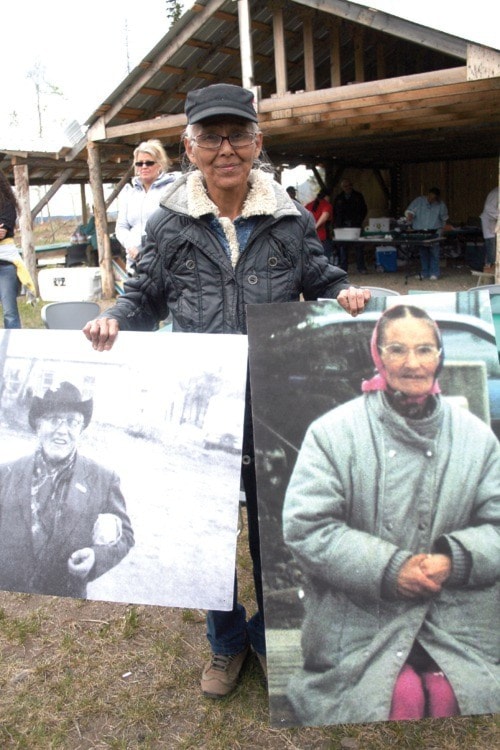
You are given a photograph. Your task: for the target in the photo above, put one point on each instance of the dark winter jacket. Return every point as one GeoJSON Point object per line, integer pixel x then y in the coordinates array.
{"type": "Point", "coordinates": [349, 210]}
{"type": "Point", "coordinates": [192, 265]}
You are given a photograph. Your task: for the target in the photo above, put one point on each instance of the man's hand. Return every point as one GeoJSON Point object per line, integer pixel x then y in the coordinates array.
{"type": "Point", "coordinates": [81, 562]}
{"type": "Point", "coordinates": [413, 582]}
{"type": "Point", "coordinates": [102, 332]}
{"type": "Point", "coordinates": [353, 300]}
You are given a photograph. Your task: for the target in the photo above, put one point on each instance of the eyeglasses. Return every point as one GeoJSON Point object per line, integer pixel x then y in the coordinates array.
{"type": "Point", "coordinates": [72, 423]}
{"type": "Point", "coordinates": [144, 163]}
{"type": "Point", "coordinates": [214, 141]}
{"type": "Point", "coordinates": [425, 353]}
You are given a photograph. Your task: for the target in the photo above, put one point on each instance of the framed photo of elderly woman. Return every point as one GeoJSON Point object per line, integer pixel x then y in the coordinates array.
{"type": "Point", "coordinates": [378, 471]}
{"type": "Point", "coordinates": [120, 472]}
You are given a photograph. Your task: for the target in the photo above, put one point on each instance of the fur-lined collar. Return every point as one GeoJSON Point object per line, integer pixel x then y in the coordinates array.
{"type": "Point", "coordinates": [260, 200]}
{"type": "Point", "coordinates": [266, 197]}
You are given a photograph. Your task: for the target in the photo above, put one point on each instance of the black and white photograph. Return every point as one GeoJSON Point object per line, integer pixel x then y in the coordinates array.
{"type": "Point", "coordinates": [120, 472]}
{"type": "Point", "coordinates": [378, 472]}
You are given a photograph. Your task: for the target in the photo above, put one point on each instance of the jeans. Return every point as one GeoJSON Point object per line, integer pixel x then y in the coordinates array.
{"type": "Point", "coordinates": [429, 260]}
{"type": "Point", "coordinates": [8, 295]}
{"type": "Point", "coordinates": [360, 257]}
{"type": "Point", "coordinates": [229, 632]}
{"type": "Point", "coordinates": [490, 246]}
{"type": "Point", "coordinates": [328, 249]}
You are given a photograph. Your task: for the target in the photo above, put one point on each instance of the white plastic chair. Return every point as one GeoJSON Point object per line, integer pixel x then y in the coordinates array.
{"type": "Point", "coordinates": [492, 288]}
{"type": "Point", "coordinates": [69, 315]}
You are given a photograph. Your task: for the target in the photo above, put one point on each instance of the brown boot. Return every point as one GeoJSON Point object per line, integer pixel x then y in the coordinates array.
{"type": "Point", "coordinates": [221, 673]}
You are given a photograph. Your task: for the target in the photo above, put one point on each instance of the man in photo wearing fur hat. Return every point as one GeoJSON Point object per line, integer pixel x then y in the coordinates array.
{"type": "Point", "coordinates": [63, 520]}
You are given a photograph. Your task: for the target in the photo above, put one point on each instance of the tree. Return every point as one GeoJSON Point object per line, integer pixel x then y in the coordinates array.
{"type": "Point", "coordinates": [174, 11]}
{"type": "Point", "coordinates": [42, 88]}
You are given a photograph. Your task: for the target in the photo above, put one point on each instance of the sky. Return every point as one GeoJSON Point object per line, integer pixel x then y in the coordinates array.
{"type": "Point", "coordinates": [83, 51]}
{"type": "Point", "coordinates": [80, 62]}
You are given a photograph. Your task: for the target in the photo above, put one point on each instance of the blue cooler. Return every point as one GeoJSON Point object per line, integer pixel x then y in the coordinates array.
{"type": "Point", "coordinates": [386, 258]}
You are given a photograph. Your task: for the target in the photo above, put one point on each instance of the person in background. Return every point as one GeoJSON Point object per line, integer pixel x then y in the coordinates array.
{"type": "Point", "coordinates": [489, 220]}
{"type": "Point", "coordinates": [9, 284]}
{"type": "Point", "coordinates": [349, 210]}
{"type": "Point", "coordinates": [321, 209]}
{"type": "Point", "coordinates": [226, 235]}
{"type": "Point", "coordinates": [401, 566]}
{"type": "Point", "coordinates": [424, 213]}
{"type": "Point", "coordinates": [292, 192]}
{"type": "Point", "coordinates": [63, 520]}
{"type": "Point", "coordinates": [140, 198]}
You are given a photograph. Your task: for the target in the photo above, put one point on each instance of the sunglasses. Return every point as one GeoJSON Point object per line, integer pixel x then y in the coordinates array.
{"type": "Point", "coordinates": [144, 163]}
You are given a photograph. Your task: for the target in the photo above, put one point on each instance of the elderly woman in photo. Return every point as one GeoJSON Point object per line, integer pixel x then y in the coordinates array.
{"type": "Point", "coordinates": [63, 520]}
{"type": "Point", "coordinates": [392, 513]}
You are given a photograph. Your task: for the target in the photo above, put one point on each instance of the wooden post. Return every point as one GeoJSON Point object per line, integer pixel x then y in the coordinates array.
{"type": "Point", "coordinates": [359, 62]}
{"type": "Point", "coordinates": [246, 53]}
{"type": "Point", "coordinates": [335, 69]}
{"type": "Point", "coordinates": [279, 47]}
{"type": "Point", "coordinates": [307, 31]}
{"type": "Point", "coordinates": [21, 180]}
{"type": "Point", "coordinates": [101, 222]}
{"type": "Point", "coordinates": [83, 201]}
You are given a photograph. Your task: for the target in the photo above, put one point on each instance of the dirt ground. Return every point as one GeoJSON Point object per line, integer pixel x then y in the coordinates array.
{"type": "Point", "coordinates": [455, 276]}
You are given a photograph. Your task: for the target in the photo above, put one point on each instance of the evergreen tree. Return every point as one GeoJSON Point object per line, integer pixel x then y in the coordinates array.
{"type": "Point", "coordinates": [174, 11]}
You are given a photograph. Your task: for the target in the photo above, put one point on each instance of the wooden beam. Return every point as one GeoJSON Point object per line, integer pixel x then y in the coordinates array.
{"type": "Point", "coordinates": [171, 123]}
{"type": "Point", "coordinates": [389, 85]}
{"type": "Point", "coordinates": [63, 177]}
{"type": "Point", "coordinates": [119, 186]}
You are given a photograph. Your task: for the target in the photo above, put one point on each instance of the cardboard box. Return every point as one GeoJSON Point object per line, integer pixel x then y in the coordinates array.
{"type": "Point", "coordinates": [382, 224]}
{"type": "Point", "coordinates": [387, 258]}
{"type": "Point", "coordinates": [69, 284]}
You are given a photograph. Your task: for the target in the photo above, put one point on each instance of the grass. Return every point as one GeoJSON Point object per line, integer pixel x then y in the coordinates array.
{"type": "Point", "coordinates": [79, 674]}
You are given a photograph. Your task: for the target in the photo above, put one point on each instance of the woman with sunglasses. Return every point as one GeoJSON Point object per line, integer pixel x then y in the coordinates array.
{"type": "Point", "coordinates": [226, 235]}
{"type": "Point", "coordinates": [141, 198]}
{"type": "Point", "coordinates": [391, 513]}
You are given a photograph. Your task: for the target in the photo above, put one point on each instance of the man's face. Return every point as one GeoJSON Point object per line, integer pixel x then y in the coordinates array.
{"type": "Point", "coordinates": [58, 433]}
{"type": "Point", "coordinates": [346, 186]}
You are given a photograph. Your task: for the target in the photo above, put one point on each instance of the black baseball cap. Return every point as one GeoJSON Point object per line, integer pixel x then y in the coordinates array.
{"type": "Point", "coordinates": [220, 99]}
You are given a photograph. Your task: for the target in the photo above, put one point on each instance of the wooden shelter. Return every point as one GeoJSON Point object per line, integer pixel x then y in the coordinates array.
{"type": "Point", "coordinates": [338, 86]}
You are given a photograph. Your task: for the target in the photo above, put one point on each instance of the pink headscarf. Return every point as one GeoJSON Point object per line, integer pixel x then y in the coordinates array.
{"type": "Point", "coordinates": [379, 381]}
